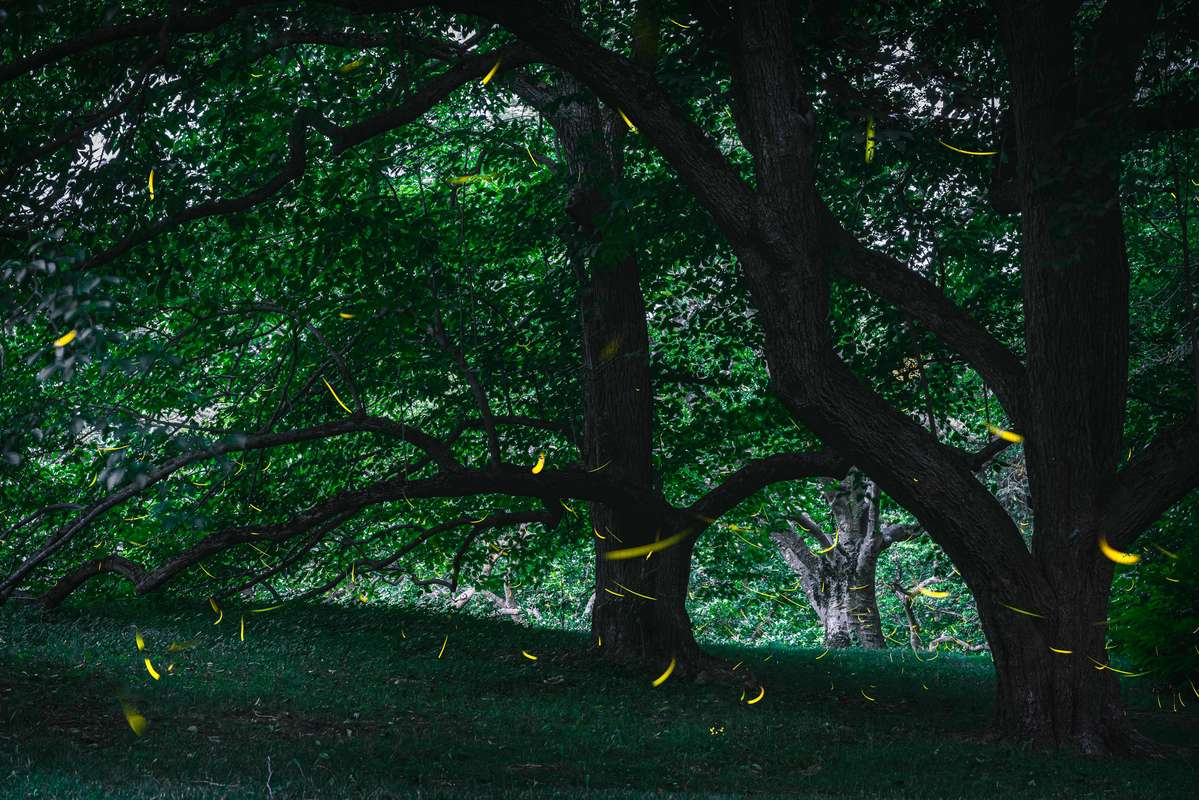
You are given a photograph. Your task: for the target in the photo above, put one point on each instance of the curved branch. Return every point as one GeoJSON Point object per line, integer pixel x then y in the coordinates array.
{"type": "Point", "coordinates": [509, 480]}
{"type": "Point", "coordinates": [917, 296]}
{"type": "Point", "coordinates": [762, 472]}
{"type": "Point", "coordinates": [894, 534]}
{"type": "Point", "coordinates": [981, 458]}
{"type": "Point", "coordinates": [343, 138]}
{"type": "Point", "coordinates": [146, 26]}
{"type": "Point", "coordinates": [36, 515]}
{"type": "Point", "coordinates": [1160, 475]}
{"type": "Point", "coordinates": [63, 534]}
{"type": "Point", "coordinates": [799, 558]}
{"type": "Point", "coordinates": [84, 572]}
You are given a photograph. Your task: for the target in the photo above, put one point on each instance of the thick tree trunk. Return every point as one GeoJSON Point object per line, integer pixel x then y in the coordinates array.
{"type": "Point", "coordinates": [1072, 81]}
{"type": "Point", "coordinates": [640, 611]}
{"type": "Point", "coordinates": [1052, 687]}
{"type": "Point", "coordinates": [630, 627]}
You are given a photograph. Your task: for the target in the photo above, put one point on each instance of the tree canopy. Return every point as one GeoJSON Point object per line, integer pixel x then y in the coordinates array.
{"type": "Point", "coordinates": [301, 298]}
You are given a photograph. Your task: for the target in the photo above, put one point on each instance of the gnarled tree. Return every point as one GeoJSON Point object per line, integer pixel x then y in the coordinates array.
{"type": "Point", "coordinates": [839, 578]}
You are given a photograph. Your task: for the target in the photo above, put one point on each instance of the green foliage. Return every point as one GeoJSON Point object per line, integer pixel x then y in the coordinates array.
{"type": "Point", "coordinates": [1155, 621]}
{"type": "Point", "coordinates": [229, 325]}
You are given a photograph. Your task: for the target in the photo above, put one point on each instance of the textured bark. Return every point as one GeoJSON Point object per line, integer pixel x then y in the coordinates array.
{"type": "Point", "coordinates": [1052, 697]}
{"type": "Point", "coordinates": [640, 609]}
{"type": "Point", "coordinates": [840, 583]}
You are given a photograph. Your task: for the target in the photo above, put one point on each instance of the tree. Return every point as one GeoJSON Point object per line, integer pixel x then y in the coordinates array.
{"type": "Point", "coordinates": [1074, 114]}
{"type": "Point", "coordinates": [265, 413]}
{"type": "Point", "coordinates": [639, 605]}
{"type": "Point", "coordinates": [1067, 397]}
{"type": "Point", "coordinates": [841, 585]}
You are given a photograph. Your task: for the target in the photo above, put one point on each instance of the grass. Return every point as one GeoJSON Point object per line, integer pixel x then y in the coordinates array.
{"type": "Point", "coordinates": [334, 702]}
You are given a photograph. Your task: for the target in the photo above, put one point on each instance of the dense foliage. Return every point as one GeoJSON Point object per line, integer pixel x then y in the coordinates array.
{"type": "Point", "coordinates": [387, 276]}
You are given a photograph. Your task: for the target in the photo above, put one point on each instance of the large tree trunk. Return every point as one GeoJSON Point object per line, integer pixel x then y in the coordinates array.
{"type": "Point", "coordinates": [618, 404]}
{"type": "Point", "coordinates": [1068, 401]}
{"type": "Point", "coordinates": [626, 623]}
{"type": "Point", "coordinates": [1052, 687]}
{"type": "Point", "coordinates": [626, 626]}
{"type": "Point", "coordinates": [640, 610]}
{"type": "Point", "coordinates": [1075, 280]}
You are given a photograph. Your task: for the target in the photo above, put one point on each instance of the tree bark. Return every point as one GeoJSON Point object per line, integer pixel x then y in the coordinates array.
{"type": "Point", "coordinates": [839, 579]}
{"type": "Point", "coordinates": [640, 610]}
{"type": "Point", "coordinates": [1053, 687]}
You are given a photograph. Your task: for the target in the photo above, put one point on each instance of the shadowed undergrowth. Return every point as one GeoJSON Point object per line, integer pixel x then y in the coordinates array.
{"type": "Point", "coordinates": [323, 701]}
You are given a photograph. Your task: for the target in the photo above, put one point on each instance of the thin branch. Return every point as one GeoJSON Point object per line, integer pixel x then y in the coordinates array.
{"type": "Point", "coordinates": [472, 378]}
{"type": "Point", "coordinates": [414, 106]}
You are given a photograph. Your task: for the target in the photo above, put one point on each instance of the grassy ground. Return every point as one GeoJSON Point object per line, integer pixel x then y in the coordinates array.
{"type": "Point", "coordinates": [333, 702]}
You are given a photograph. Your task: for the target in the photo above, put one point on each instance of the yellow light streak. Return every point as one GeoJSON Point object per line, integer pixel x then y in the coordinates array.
{"type": "Point", "coordinates": [661, 679]}
{"type": "Point", "coordinates": [869, 139]}
{"type": "Point", "coordinates": [1007, 436]}
{"type": "Point", "coordinates": [970, 152]}
{"type": "Point", "coordinates": [1021, 611]}
{"type": "Point", "coordinates": [646, 549]}
{"type": "Point", "coordinates": [134, 717]}
{"type": "Point", "coordinates": [1114, 555]}
{"type": "Point", "coordinates": [335, 397]}
{"type": "Point", "coordinates": [633, 591]}
{"type": "Point", "coordinates": [487, 78]}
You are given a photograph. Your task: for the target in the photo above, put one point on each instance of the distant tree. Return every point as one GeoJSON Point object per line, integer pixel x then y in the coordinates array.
{"type": "Point", "coordinates": [839, 578]}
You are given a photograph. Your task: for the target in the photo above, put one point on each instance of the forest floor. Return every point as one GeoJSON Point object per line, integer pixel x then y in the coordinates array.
{"type": "Point", "coordinates": [325, 702]}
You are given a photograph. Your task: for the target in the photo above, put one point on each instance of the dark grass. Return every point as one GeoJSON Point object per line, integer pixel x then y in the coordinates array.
{"type": "Point", "coordinates": [336, 702]}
